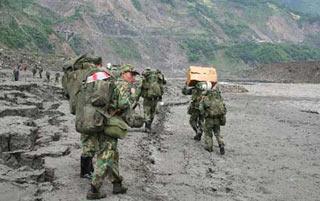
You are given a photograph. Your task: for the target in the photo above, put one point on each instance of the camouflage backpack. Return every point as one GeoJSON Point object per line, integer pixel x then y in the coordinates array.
{"type": "Point", "coordinates": [152, 85]}
{"type": "Point", "coordinates": [93, 100]}
{"type": "Point", "coordinates": [213, 105]}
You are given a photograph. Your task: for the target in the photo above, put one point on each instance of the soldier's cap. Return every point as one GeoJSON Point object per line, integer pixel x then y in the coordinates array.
{"type": "Point", "coordinates": [128, 68]}
{"type": "Point", "coordinates": [97, 60]}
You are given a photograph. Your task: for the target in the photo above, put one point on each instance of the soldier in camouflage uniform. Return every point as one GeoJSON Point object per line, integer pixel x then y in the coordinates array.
{"type": "Point", "coordinates": [88, 142]}
{"type": "Point", "coordinates": [107, 153]}
{"type": "Point", "coordinates": [196, 119]}
{"type": "Point", "coordinates": [150, 103]}
{"type": "Point", "coordinates": [213, 123]}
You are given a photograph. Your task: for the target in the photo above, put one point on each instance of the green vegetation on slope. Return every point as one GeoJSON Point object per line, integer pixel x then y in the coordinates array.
{"type": "Point", "coordinates": [205, 50]}
{"type": "Point", "coordinates": [126, 48]}
{"type": "Point", "coordinates": [24, 25]}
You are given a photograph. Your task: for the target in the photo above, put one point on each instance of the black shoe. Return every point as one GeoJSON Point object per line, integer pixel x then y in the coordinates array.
{"type": "Point", "coordinates": [197, 137]}
{"type": "Point", "coordinates": [86, 168]}
{"type": "Point", "coordinates": [148, 127]}
{"type": "Point", "coordinates": [119, 189]}
{"type": "Point", "coordinates": [94, 194]}
{"type": "Point", "coordinates": [222, 152]}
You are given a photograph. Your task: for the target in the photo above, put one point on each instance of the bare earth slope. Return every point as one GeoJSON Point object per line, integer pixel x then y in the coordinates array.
{"type": "Point", "coordinates": [272, 148]}
{"type": "Point", "coordinates": [293, 72]}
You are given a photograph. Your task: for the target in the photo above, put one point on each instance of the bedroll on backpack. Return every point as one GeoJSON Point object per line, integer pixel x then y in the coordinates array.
{"type": "Point", "coordinates": [93, 100]}
{"type": "Point", "coordinates": [73, 86]}
{"type": "Point", "coordinates": [151, 86]}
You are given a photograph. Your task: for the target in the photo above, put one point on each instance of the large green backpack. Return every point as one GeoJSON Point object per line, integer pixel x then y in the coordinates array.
{"type": "Point", "coordinates": [214, 105]}
{"type": "Point", "coordinates": [93, 100]}
{"type": "Point", "coordinates": [152, 86]}
{"type": "Point", "coordinates": [74, 71]}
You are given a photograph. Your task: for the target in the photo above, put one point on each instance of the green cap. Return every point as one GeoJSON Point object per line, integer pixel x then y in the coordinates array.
{"type": "Point", "coordinates": [128, 68]}
{"type": "Point", "coordinates": [97, 60]}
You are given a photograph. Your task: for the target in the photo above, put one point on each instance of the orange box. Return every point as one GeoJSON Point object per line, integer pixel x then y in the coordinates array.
{"type": "Point", "coordinates": [198, 73]}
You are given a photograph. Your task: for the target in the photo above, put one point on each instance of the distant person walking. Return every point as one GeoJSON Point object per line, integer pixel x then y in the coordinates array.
{"type": "Point", "coordinates": [16, 72]}
{"type": "Point", "coordinates": [57, 77]}
{"type": "Point", "coordinates": [48, 75]}
{"type": "Point", "coordinates": [34, 71]}
{"type": "Point", "coordinates": [40, 71]}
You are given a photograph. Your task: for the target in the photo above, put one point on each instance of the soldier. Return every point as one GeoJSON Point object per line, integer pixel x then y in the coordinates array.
{"type": "Point", "coordinates": [107, 153]}
{"type": "Point", "coordinates": [196, 119]}
{"type": "Point", "coordinates": [152, 91]}
{"type": "Point", "coordinates": [214, 110]}
{"type": "Point", "coordinates": [88, 142]}
{"type": "Point", "coordinates": [16, 72]}
{"type": "Point", "coordinates": [40, 68]}
{"type": "Point", "coordinates": [48, 75]}
{"type": "Point", "coordinates": [57, 77]}
{"type": "Point", "coordinates": [34, 71]}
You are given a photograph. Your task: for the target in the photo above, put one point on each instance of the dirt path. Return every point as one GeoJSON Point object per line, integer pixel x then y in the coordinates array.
{"type": "Point", "coordinates": [272, 148]}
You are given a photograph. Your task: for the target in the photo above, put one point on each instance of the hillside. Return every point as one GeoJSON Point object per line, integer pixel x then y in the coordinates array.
{"type": "Point", "coordinates": [169, 34]}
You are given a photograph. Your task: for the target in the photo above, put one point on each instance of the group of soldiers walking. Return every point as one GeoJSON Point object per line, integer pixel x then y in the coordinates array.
{"type": "Point", "coordinates": [36, 69]}
{"type": "Point", "coordinates": [103, 100]}
{"type": "Point", "coordinates": [207, 113]}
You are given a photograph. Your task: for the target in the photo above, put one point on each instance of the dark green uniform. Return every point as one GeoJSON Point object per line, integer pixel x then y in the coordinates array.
{"type": "Point", "coordinates": [212, 123]}
{"type": "Point", "coordinates": [196, 119]}
{"type": "Point", "coordinates": [107, 151]}
{"type": "Point", "coordinates": [150, 103]}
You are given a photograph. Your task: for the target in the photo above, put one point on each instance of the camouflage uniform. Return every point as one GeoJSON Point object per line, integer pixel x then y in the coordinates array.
{"type": "Point", "coordinates": [212, 124]}
{"type": "Point", "coordinates": [196, 119]}
{"type": "Point", "coordinates": [107, 151]}
{"type": "Point", "coordinates": [150, 104]}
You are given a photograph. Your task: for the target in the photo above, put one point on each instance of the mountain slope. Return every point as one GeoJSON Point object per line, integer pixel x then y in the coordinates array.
{"type": "Point", "coordinates": [169, 34]}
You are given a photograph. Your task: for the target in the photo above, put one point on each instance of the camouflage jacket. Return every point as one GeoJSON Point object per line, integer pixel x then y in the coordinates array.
{"type": "Point", "coordinates": [196, 96]}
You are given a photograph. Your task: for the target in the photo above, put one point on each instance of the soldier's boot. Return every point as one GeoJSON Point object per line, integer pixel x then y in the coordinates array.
{"type": "Point", "coordinates": [118, 188]}
{"type": "Point", "coordinates": [86, 168]}
{"type": "Point", "coordinates": [95, 194]}
{"type": "Point", "coordinates": [222, 151]}
{"type": "Point", "coordinates": [148, 127]}
{"type": "Point", "coordinates": [197, 137]}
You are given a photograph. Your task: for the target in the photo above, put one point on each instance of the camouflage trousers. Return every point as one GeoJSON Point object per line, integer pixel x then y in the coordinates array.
{"type": "Point", "coordinates": [88, 145]}
{"type": "Point", "coordinates": [196, 120]}
{"type": "Point", "coordinates": [107, 163]}
{"type": "Point", "coordinates": [212, 125]}
{"type": "Point", "coordinates": [149, 109]}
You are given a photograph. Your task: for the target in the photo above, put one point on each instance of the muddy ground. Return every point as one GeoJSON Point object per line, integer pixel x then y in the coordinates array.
{"type": "Point", "coordinates": [272, 147]}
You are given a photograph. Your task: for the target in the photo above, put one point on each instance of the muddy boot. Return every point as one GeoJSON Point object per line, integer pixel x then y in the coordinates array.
{"type": "Point", "coordinates": [118, 188]}
{"type": "Point", "coordinates": [197, 137]}
{"type": "Point", "coordinates": [95, 194]}
{"type": "Point", "coordinates": [221, 146]}
{"type": "Point", "coordinates": [86, 167]}
{"type": "Point", "coordinates": [148, 127]}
